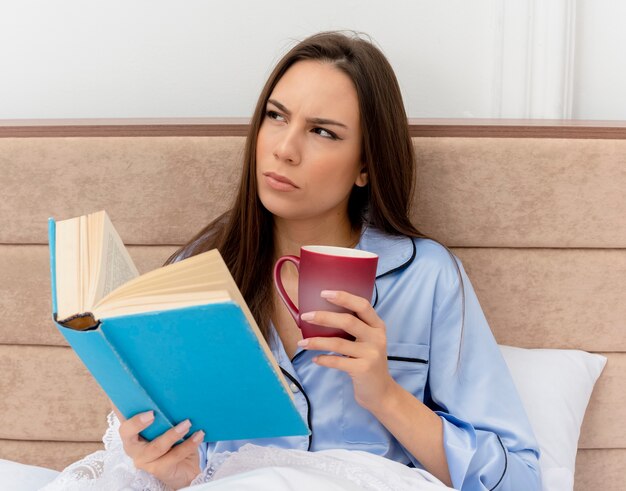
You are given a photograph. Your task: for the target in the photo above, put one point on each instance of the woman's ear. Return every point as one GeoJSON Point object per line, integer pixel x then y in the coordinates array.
{"type": "Point", "coordinates": [362, 179]}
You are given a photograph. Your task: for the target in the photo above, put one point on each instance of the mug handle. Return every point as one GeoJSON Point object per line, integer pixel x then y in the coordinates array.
{"type": "Point", "coordinates": [293, 310]}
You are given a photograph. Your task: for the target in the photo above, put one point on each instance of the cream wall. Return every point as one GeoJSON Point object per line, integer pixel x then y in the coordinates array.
{"type": "Point", "coordinates": [197, 58]}
{"type": "Point", "coordinates": [600, 90]}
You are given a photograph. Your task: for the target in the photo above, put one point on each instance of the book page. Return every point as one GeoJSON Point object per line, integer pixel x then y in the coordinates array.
{"type": "Point", "coordinates": [95, 223]}
{"type": "Point", "coordinates": [191, 272]}
{"type": "Point", "coordinates": [158, 302]}
{"type": "Point", "coordinates": [178, 281]}
{"type": "Point", "coordinates": [67, 267]}
{"type": "Point", "coordinates": [116, 266]}
{"type": "Point", "coordinates": [83, 257]}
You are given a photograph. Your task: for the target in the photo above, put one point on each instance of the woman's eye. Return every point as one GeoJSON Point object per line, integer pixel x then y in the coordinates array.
{"type": "Point", "coordinates": [325, 133]}
{"type": "Point", "coordinates": [273, 115]}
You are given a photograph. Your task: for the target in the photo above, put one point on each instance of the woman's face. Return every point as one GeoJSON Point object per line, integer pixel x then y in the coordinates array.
{"type": "Point", "coordinates": [308, 152]}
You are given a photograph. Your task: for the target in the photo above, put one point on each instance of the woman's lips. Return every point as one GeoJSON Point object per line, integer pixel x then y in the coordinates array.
{"type": "Point", "coordinates": [278, 182]}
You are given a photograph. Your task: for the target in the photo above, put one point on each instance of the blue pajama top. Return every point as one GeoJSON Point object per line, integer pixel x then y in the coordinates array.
{"type": "Point", "coordinates": [488, 440]}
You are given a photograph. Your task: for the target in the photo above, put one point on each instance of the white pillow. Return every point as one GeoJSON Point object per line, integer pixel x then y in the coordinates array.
{"type": "Point", "coordinates": [555, 386]}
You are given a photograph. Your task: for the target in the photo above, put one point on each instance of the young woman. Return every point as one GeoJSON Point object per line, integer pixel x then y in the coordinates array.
{"type": "Point", "coordinates": [329, 160]}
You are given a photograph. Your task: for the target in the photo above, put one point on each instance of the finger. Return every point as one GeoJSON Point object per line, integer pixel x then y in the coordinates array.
{"type": "Point", "coordinates": [359, 305]}
{"type": "Point", "coordinates": [336, 345]}
{"type": "Point", "coordinates": [181, 452]}
{"type": "Point", "coordinates": [347, 322]}
{"type": "Point", "coordinates": [348, 365]}
{"type": "Point", "coordinates": [129, 432]}
{"type": "Point", "coordinates": [163, 443]}
{"type": "Point", "coordinates": [130, 428]}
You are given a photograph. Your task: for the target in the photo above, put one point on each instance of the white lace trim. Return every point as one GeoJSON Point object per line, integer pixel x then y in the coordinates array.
{"type": "Point", "coordinates": [110, 468]}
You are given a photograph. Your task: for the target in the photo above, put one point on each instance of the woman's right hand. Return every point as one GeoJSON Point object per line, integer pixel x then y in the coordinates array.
{"type": "Point", "coordinates": [177, 465]}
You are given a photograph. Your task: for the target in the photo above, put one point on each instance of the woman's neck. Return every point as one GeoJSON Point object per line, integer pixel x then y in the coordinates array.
{"type": "Point", "coordinates": [289, 236]}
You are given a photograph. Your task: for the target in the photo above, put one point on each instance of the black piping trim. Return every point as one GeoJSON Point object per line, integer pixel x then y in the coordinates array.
{"type": "Point", "coordinates": [404, 358]}
{"type": "Point", "coordinates": [506, 463]}
{"type": "Point", "coordinates": [398, 268]}
{"type": "Point", "coordinates": [403, 265]}
{"type": "Point", "coordinates": [376, 293]}
{"type": "Point", "coordinates": [297, 354]}
{"type": "Point", "coordinates": [308, 404]}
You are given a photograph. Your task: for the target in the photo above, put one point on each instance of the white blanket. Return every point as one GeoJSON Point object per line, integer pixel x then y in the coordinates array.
{"type": "Point", "coordinates": [261, 468]}
{"type": "Point", "coordinates": [252, 467]}
{"type": "Point", "coordinates": [19, 477]}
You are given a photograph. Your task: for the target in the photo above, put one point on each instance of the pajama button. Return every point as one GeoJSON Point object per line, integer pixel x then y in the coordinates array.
{"type": "Point", "coordinates": [294, 388]}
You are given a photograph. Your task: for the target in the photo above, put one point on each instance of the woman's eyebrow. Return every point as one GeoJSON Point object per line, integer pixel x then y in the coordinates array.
{"type": "Point", "coordinates": [309, 120]}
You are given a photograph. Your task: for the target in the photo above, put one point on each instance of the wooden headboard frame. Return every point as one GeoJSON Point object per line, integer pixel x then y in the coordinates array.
{"type": "Point", "coordinates": [476, 128]}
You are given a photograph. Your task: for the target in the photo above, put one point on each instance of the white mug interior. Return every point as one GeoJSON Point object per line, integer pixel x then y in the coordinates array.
{"type": "Point", "coordinates": [338, 251]}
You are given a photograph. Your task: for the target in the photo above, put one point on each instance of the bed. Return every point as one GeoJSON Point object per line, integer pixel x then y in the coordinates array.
{"type": "Point", "coordinates": [535, 210]}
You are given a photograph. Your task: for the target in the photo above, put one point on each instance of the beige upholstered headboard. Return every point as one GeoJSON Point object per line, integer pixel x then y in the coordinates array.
{"type": "Point", "coordinates": [537, 214]}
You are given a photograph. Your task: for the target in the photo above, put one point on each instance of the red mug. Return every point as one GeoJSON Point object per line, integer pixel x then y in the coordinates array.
{"type": "Point", "coordinates": [326, 268]}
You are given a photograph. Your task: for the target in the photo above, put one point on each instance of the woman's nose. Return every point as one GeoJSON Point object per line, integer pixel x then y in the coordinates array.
{"type": "Point", "coordinates": [287, 146]}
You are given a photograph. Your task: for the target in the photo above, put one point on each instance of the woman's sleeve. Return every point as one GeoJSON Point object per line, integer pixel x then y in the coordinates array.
{"type": "Point", "coordinates": [488, 440]}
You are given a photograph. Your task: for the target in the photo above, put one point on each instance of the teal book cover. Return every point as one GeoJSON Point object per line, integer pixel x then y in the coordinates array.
{"type": "Point", "coordinates": [203, 362]}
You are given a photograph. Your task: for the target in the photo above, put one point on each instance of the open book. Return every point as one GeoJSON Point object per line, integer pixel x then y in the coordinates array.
{"type": "Point", "coordinates": [179, 340]}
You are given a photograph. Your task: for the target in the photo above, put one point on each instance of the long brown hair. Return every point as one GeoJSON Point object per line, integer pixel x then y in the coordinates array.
{"type": "Point", "coordinates": [244, 235]}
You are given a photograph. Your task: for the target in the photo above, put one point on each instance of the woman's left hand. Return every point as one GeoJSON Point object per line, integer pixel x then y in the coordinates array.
{"type": "Point", "coordinates": [365, 358]}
